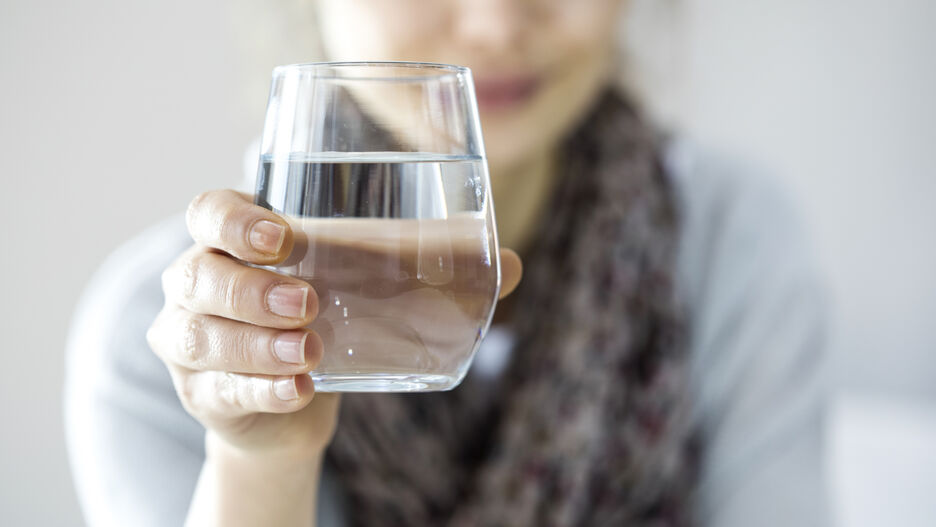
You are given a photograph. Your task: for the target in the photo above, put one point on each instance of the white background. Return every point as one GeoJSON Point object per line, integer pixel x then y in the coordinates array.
{"type": "Point", "coordinates": [113, 114]}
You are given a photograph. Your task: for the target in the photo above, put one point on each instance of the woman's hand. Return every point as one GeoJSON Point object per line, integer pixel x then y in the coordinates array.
{"type": "Point", "coordinates": [234, 341]}
{"type": "Point", "coordinates": [232, 336]}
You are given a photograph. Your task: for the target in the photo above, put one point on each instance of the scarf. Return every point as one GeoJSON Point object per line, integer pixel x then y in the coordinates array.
{"type": "Point", "coordinates": [590, 424]}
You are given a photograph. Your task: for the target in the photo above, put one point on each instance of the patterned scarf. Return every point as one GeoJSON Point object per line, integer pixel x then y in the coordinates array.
{"type": "Point", "coordinates": [589, 425]}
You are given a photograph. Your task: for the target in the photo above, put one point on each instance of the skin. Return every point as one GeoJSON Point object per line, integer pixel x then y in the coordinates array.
{"type": "Point", "coordinates": [226, 327]}
{"type": "Point", "coordinates": [565, 47]}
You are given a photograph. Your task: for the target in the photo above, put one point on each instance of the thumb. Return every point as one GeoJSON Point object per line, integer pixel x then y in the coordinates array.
{"type": "Point", "coordinates": [511, 271]}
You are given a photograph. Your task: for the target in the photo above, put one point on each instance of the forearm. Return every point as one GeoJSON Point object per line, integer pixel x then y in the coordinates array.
{"type": "Point", "coordinates": [235, 489]}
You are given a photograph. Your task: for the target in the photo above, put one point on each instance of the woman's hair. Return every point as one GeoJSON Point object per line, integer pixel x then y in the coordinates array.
{"type": "Point", "coordinates": [650, 50]}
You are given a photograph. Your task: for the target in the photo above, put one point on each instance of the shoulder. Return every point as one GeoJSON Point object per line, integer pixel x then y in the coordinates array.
{"type": "Point", "coordinates": [739, 225]}
{"type": "Point", "coordinates": [746, 271]}
{"type": "Point", "coordinates": [758, 317]}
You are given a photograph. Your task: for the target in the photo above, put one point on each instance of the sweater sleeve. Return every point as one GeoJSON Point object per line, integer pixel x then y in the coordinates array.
{"type": "Point", "coordinates": [758, 336]}
{"type": "Point", "coordinates": [135, 452]}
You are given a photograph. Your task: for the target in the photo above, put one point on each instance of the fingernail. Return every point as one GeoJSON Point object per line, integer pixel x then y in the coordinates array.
{"type": "Point", "coordinates": [266, 236]}
{"type": "Point", "coordinates": [288, 300]}
{"type": "Point", "coordinates": [290, 347]}
{"type": "Point", "coordinates": [285, 389]}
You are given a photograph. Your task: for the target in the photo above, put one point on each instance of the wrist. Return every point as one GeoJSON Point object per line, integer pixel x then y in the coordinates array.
{"type": "Point", "coordinates": [244, 487]}
{"type": "Point", "coordinates": [217, 448]}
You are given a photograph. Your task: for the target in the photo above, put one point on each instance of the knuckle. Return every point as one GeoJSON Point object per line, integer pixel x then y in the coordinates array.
{"type": "Point", "coordinates": [151, 337]}
{"type": "Point", "coordinates": [152, 333]}
{"type": "Point", "coordinates": [233, 290]}
{"type": "Point", "coordinates": [193, 346]}
{"type": "Point", "coordinates": [195, 206]}
{"type": "Point", "coordinates": [191, 273]}
{"type": "Point", "coordinates": [212, 214]}
{"type": "Point", "coordinates": [166, 278]}
{"type": "Point", "coordinates": [240, 348]}
{"type": "Point", "coordinates": [226, 208]}
{"type": "Point", "coordinates": [231, 392]}
{"type": "Point", "coordinates": [227, 216]}
{"type": "Point", "coordinates": [233, 226]}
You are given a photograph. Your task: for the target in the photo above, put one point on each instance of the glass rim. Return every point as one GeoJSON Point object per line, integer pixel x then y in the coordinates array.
{"type": "Point", "coordinates": [443, 70]}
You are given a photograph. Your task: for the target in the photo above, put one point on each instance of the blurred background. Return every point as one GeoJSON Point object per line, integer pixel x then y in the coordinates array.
{"type": "Point", "coordinates": [113, 114]}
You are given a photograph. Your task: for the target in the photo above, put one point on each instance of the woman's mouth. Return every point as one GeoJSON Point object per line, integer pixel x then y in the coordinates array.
{"type": "Point", "coordinates": [499, 93]}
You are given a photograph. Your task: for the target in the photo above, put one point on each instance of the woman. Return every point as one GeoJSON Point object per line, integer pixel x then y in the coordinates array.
{"type": "Point", "coordinates": [658, 365]}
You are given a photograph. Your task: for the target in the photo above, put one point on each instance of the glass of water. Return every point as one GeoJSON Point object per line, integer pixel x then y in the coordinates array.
{"type": "Point", "coordinates": [379, 168]}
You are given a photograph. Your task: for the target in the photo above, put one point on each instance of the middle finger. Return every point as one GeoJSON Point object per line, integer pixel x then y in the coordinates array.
{"type": "Point", "coordinates": [214, 284]}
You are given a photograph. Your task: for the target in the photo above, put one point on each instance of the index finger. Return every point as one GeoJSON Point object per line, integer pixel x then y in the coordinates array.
{"type": "Point", "coordinates": [229, 221]}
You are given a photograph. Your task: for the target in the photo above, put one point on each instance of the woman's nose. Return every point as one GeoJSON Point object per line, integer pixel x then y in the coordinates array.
{"type": "Point", "coordinates": [490, 24]}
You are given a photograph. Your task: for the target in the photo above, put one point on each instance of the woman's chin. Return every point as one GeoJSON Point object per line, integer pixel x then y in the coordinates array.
{"type": "Point", "coordinates": [503, 151]}
{"type": "Point", "coordinates": [511, 140]}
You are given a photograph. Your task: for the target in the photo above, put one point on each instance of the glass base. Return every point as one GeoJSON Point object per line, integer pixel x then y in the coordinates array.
{"type": "Point", "coordinates": [382, 382]}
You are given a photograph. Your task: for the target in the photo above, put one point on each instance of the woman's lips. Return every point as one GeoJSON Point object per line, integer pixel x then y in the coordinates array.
{"type": "Point", "coordinates": [501, 93]}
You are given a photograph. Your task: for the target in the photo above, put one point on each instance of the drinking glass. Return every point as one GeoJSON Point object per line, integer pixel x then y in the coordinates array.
{"type": "Point", "coordinates": [379, 169]}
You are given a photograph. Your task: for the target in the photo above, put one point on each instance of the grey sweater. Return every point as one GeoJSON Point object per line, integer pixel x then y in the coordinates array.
{"type": "Point", "coordinates": [757, 340]}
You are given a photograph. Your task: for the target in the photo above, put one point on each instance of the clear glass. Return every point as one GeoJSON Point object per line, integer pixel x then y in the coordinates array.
{"type": "Point", "coordinates": [379, 168]}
